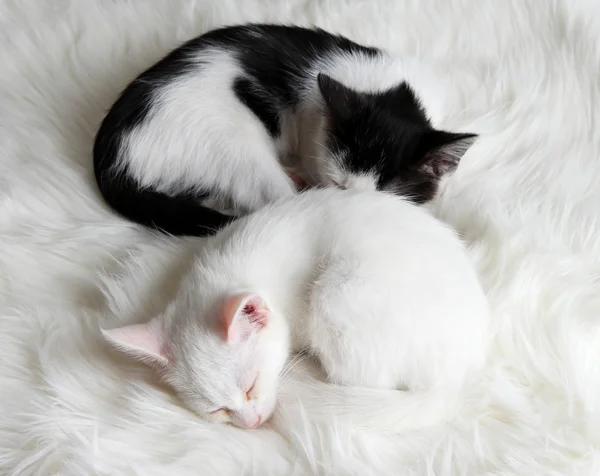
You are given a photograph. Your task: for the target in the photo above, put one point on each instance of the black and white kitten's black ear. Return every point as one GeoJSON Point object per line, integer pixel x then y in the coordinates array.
{"type": "Point", "coordinates": [443, 151]}
{"type": "Point", "coordinates": [341, 101]}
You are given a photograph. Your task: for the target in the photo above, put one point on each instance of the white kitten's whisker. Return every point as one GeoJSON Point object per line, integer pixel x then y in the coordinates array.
{"type": "Point", "coordinates": [291, 365]}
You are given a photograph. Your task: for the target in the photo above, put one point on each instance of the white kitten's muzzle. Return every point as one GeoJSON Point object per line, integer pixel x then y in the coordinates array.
{"type": "Point", "coordinates": [247, 418]}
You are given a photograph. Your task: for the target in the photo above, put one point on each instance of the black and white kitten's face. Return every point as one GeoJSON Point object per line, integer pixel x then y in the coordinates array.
{"type": "Point", "coordinates": [384, 141]}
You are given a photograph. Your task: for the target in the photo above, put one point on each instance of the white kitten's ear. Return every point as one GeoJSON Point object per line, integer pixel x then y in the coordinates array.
{"type": "Point", "coordinates": [444, 151]}
{"type": "Point", "coordinates": [242, 314]}
{"type": "Point", "coordinates": [145, 342]}
{"type": "Point", "coordinates": [341, 101]}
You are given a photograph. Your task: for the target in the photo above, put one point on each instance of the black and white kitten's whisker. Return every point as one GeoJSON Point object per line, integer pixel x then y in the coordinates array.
{"type": "Point", "coordinates": [323, 147]}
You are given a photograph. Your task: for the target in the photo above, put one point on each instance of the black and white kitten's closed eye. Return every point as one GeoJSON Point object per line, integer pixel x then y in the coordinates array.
{"type": "Point", "coordinates": [202, 136]}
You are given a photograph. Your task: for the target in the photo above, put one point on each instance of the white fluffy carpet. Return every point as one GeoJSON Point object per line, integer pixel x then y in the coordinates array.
{"type": "Point", "coordinates": [526, 77]}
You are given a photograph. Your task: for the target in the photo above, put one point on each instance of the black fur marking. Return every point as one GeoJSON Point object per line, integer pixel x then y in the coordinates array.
{"type": "Point", "coordinates": [259, 103]}
{"type": "Point", "coordinates": [278, 57]}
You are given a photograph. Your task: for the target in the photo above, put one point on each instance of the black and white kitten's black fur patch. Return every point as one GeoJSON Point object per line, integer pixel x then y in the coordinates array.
{"type": "Point", "coordinates": [211, 131]}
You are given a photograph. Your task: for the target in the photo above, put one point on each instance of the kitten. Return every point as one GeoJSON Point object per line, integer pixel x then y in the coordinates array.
{"type": "Point", "coordinates": [382, 293]}
{"type": "Point", "coordinates": [201, 137]}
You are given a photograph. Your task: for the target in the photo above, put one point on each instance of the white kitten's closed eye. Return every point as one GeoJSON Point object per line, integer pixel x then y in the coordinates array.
{"type": "Point", "coordinates": [251, 389]}
{"type": "Point", "coordinates": [220, 415]}
{"type": "Point", "coordinates": [248, 396]}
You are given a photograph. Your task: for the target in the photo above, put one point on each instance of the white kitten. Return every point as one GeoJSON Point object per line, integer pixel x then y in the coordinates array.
{"type": "Point", "coordinates": [377, 289]}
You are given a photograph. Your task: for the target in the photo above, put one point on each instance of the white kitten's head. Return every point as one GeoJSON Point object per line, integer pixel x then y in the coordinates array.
{"type": "Point", "coordinates": [223, 358]}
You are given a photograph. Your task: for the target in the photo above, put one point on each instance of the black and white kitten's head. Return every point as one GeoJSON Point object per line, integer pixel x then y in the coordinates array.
{"type": "Point", "coordinates": [384, 141]}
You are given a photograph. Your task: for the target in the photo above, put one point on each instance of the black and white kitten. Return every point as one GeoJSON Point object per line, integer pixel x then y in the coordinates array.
{"type": "Point", "coordinates": [212, 131]}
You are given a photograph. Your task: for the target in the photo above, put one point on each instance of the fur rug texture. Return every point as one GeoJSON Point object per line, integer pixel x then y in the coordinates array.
{"type": "Point", "coordinates": [527, 196]}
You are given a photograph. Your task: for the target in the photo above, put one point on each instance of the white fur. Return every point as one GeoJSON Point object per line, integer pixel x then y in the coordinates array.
{"type": "Point", "coordinates": [379, 291]}
{"type": "Point", "coordinates": [524, 76]}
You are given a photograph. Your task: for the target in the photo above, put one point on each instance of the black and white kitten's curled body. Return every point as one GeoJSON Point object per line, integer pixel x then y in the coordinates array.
{"type": "Point", "coordinates": [211, 131]}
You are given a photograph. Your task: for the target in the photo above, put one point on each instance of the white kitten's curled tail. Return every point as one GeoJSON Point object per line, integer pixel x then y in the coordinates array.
{"type": "Point", "coordinates": [379, 410]}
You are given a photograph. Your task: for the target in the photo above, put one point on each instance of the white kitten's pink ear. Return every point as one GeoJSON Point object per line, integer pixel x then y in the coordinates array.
{"type": "Point", "coordinates": [241, 315]}
{"type": "Point", "coordinates": [145, 342]}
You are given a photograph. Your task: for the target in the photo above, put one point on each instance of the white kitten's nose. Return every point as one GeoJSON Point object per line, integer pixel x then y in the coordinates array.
{"type": "Point", "coordinates": [256, 423]}
{"type": "Point", "coordinates": [251, 423]}
{"type": "Point", "coordinates": [248, 421]}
